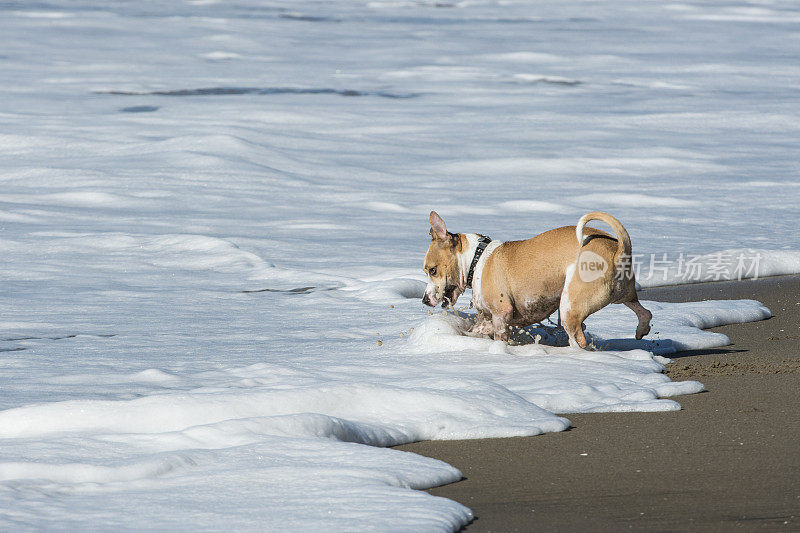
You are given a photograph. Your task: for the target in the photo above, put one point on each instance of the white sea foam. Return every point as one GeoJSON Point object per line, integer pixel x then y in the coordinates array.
{"type": "Point", "coordinates": [212, 227]}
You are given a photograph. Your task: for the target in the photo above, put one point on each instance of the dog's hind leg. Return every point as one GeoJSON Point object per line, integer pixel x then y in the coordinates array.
{"type": "Point", "coordinates": [574, 328]}
{"type": "Point", "coordinates": [644, 318]}
{"type": "Point", "coordinates": [570, 315]}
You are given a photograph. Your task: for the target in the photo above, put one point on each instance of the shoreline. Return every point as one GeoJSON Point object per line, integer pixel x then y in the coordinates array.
{"type": "Point", "coordinates": [730, 459]}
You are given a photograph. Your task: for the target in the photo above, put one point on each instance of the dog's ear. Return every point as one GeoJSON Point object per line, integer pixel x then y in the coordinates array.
{"type": "Point", "coordinates": [438, 228]}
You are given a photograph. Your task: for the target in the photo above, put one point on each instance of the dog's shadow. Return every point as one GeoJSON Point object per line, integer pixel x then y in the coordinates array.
{"type": "Point", "coordinates": [551, 333]}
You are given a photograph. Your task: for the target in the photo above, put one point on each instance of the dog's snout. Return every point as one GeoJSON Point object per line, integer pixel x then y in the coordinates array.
{"type": "Point", "coordinates": [426, 299]}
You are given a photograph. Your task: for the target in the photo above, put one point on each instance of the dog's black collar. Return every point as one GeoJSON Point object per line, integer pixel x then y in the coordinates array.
{"type": "Point", "coordinates": [483, 242]}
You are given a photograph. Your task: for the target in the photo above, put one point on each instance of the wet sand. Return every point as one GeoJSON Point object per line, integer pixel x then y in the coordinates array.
{"type": "Point", "coordinates": [729, 461]}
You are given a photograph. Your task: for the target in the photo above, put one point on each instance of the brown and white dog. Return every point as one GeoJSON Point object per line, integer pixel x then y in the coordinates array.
{"type": "Point", "coordinates": [574, 269]}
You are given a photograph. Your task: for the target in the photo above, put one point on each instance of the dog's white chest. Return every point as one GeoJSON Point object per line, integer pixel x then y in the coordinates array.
{"type": "Point", "coordinates": [477, 296]}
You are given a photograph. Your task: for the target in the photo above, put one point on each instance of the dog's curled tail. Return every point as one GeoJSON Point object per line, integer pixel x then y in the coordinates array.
{"type": "Point", "coordinates": [623, 239]}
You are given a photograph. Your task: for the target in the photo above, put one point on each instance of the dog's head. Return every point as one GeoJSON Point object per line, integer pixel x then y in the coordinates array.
{"type": "Point", "coordinates": [446, 281]}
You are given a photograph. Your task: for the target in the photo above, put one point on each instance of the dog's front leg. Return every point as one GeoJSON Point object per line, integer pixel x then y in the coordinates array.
{"type": "Point", "coordinates": [500, 322]}
{"type": "Point", "coordinates": [483, 325]}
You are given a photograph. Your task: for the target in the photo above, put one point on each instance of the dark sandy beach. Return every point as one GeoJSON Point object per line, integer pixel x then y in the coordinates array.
{"type": "Point", "coordinates": [729, 461]}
